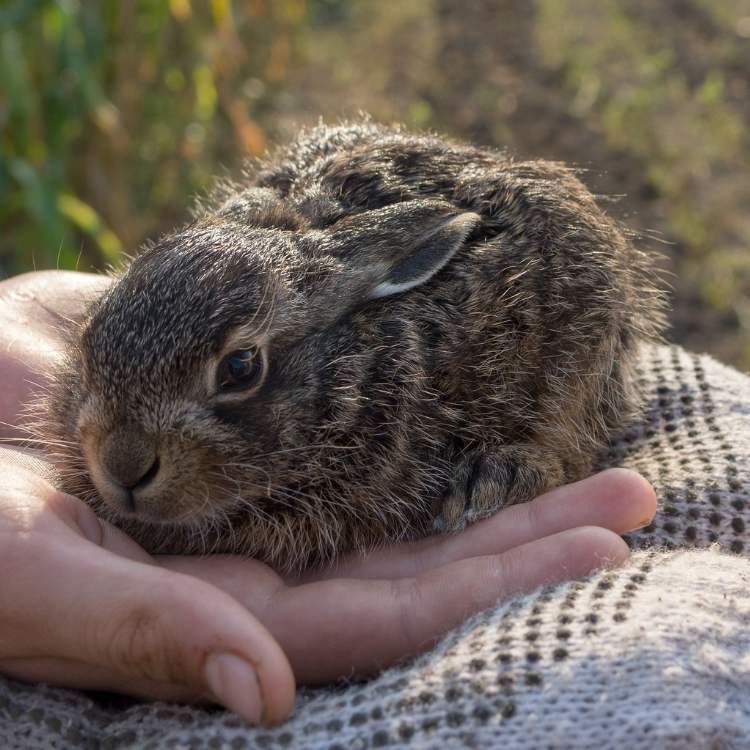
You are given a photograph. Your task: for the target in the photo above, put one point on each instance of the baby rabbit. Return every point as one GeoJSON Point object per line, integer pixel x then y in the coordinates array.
{"type": "Point", "coordinates": [375, 336]}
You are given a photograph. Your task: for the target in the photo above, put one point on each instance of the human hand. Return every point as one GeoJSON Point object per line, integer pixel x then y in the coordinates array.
{"type": "Point", "coordinates": [82, 605]}
{"type": "Point", "coordinates": [36, 310]}
{"type": "Point", "coordinates": [371, 611]}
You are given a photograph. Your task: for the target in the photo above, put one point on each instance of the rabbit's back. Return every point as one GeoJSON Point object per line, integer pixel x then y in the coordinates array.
{"type": "Point", "coordinates": [542, 313]}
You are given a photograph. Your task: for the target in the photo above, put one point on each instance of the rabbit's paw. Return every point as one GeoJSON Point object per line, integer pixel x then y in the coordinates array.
{"type": "Point", "coordinates": [487, 482]}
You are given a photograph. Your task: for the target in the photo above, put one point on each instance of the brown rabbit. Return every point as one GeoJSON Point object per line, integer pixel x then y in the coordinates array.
{"type": "Point", "coordinates": [375, 336]}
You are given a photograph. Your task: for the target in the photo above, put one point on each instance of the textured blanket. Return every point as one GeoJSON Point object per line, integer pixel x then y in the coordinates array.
{"type": "Point", "coordinates": [653, 655]}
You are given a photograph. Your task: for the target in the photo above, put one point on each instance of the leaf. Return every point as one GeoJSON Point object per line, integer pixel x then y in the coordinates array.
{"type": "Point", "coordinates": [88, 221]}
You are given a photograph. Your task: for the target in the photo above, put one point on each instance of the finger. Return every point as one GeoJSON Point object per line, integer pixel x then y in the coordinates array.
{"type": "Point", "coordinates": [31, 503]}
{"type": "Point", "coordinates": [616, 499]}
{"type": "Point", "coordinates": [338, 627]}
{"type": "Point", "coordinates": [42, 523]}
{"type": "Point", "coordinates": [82, 519]}
{"type": "Point", "coordinates": [72, 674]}
{"type": "Point", "coordinates": [35, 311]}
{"type": "Point", "coordinates": [142, 622]}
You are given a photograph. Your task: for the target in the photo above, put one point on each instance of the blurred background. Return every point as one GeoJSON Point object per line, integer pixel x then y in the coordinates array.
{"type": "Point", "coordinates": [113, 115]}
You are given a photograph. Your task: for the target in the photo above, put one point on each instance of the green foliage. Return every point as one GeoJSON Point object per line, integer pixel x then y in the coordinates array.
{"type": "Point", "coordinates": [680, 108]}
{"type": "Point", "coordinates": [114, 115]}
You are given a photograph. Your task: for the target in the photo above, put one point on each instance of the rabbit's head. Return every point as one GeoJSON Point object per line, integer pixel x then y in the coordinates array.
{"type": "Point", "coordinates": [199, 391]}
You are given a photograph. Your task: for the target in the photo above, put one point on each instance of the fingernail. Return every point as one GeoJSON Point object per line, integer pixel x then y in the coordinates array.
{"type": "Point", "coordinates": [235, 684]}
{"type": "Point", "coordinates": [642, 525]}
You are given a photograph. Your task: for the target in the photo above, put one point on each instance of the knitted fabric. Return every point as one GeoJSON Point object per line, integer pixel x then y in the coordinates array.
{"type": "Point", "coordinates": [655, 654]}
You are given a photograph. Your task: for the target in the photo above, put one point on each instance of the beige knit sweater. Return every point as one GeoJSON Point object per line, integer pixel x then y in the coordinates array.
{"type": "Point", "coordinates": [653, 655]}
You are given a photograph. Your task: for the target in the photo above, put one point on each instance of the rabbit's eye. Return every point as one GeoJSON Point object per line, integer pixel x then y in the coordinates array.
{"type": "Point", "coordinates": [239, 370]}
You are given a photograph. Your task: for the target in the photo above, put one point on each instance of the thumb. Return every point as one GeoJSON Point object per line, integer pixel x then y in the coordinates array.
{"type": "Point", "coordinates": [140, 621]}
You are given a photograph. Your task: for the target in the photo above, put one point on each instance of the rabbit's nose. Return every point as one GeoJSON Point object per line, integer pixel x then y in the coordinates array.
{"type": "Point", "coordinates": [130, 459]}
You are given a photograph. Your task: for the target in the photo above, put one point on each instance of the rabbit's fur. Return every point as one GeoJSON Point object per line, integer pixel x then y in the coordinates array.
{"type": "Point", "coordinates": [447, 331]}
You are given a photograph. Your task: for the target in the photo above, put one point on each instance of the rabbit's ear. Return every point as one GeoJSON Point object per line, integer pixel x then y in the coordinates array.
{"type": "Point", "coordinates": [433, 249]}
{"type": "Point", "coordinates": [396, 248]}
